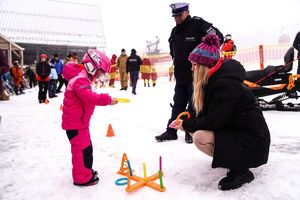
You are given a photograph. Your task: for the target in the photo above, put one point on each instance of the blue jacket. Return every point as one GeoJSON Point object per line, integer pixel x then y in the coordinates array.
{"type": "Point", "coordinates": [59, 66]}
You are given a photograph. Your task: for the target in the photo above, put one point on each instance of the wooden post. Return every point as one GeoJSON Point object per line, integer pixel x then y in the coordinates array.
{"type": "Point", "coordinates": [9, 56]}
{"type": "Point", "coordinates": [261, 56]}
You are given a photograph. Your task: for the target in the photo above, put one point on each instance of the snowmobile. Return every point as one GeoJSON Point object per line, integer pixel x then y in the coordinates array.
{"type": "Point", "coordinates": [276, 83]}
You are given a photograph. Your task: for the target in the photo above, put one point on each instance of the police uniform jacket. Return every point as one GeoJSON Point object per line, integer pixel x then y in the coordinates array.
{"type": "Point", "coordinates": [184, 38]}
{"type": "Point", "coordinates": [133, 63]}
{"type": "Point", "coordinates": [242, 138]}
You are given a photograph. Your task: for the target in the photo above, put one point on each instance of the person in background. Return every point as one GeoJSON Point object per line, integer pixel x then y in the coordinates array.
{"type": "Point", "coordinates": [74, 57]}
{"type": "Point", "coordinates": [185, 36]}
{"type": "Point", "coordinates": [133, 65]}
{"type": "Point", "coordinates": [171, 72]}
{"type": "Point", "coordinates": [113, 71]}
{"type": "Point", "coordinates": [67, 59]}
{"type": "Point", "coordinates": [31, 76]}
{"type": "Point", "coordinates": [42, 73]}
{"type": "Point", "coordinates": [7, 86]}
{"type": "Point", "coordinates": [17, 74]}
{"type": "Point", "coordinates": [102, 80]}
{"type": "Point", "coordinates": [296, 45]}
{"type": "Point", "coordinates": [79, 104]}
{"type": "Point", "coordinates": [52, 79]}
{"type": "Point", "coordinates": [145, 71]}
{"type": "Point", "coordinates": [4, 68]}
{"type": "Point", "coordinates": [228, 125]}
{"type": "Point", "coordinates": [58, 64]}
{"type": "Point", "coordinates": [228, 48]}
{"type": "Point", "coordinates": [121, 66]}
{"type": "Point", "coordinates": [153, 75]}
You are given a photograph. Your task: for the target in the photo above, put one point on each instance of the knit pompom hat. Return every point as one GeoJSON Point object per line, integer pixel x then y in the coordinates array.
{"type": "Point", "coordinates": [207, 53]}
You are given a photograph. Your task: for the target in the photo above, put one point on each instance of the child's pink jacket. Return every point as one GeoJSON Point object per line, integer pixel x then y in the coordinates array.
{"type": "Point", "coordinates": [79, 99]}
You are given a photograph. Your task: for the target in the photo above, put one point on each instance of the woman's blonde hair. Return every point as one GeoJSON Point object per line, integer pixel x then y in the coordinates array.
{"type": "Point", "coordinates": [200, 80]}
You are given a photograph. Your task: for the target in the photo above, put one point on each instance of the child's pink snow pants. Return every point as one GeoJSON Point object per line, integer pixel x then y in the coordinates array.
{"type": "Point", "coordinates": [82, 155]}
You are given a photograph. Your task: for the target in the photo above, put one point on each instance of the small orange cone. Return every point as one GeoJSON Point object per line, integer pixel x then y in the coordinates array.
{"type": "Point", "coordinates": [110, 131]}
{"type": "Point", "coordinates": [61, 107]}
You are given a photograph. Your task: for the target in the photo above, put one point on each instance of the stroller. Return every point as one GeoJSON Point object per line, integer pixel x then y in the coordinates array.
{"type": "Point", "coordinates": [277, 83]}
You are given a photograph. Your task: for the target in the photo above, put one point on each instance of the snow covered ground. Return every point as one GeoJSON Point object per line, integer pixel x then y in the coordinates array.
{"type": "Point", "coordinates": [35, 157]}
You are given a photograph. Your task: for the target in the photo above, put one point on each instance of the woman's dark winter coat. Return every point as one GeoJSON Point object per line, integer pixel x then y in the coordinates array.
{"type": "Point", "coordinates": [242, 138]}
{"type": "Point", "coordinates": [43, 71]}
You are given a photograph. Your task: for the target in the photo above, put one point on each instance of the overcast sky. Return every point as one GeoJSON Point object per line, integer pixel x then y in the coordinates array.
{"type": "Point", "coordinates": [129, 24]}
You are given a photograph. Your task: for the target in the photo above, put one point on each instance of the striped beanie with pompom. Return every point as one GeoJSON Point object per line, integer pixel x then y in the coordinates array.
{"type": "Point", "coordinates": [207, 53]}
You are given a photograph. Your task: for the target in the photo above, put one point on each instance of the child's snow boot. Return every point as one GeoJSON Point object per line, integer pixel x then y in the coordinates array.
{"type": "Point", "coordinates": [93, 181]}
{"type": "Point", "coordinates": [94, 172]}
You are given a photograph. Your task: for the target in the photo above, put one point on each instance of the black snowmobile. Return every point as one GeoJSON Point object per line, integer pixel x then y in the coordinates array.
{"type": "Point", "coordinates": [278, 83]}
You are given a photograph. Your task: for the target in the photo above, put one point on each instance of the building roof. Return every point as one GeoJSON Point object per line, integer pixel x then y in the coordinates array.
{"type": "Point", "coordinates": [7, 44]}
{"type": "Point", "coordinates": [51, 22]}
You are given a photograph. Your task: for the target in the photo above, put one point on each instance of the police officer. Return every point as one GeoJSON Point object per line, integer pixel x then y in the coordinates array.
{"type": "Point", "coordinates": [133, 65]}
{"type": "Point", "coordinates": [185, 36]}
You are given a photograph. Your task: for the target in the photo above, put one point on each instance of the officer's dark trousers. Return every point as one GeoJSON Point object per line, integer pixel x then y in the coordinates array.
{"type": "Point", "coordinates": [134, 77]}
{"type": "Point", "coordinates": [182, 98]}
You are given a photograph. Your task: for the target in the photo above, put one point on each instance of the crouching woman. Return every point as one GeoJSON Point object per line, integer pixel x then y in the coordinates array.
{"type": "Point", "coordinates": [228, 125]}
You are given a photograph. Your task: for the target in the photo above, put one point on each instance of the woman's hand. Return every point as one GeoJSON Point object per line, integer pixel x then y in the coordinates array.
{"type": "Point", "coordinates": [177, 124]}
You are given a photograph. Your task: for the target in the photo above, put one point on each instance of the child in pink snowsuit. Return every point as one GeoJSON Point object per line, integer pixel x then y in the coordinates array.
{"type": "Point", "coordinates": [79, 104]}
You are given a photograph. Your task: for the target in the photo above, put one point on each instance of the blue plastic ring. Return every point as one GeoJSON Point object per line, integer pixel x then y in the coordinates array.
{"type": "Point", "coordinates": [121, 181]}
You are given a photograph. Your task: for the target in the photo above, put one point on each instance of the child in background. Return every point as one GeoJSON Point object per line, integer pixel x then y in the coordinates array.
{"type": "Point", "coordinates": [52, 79]}
{"type": "Point", "coordinates": [113, 71]}
{"type": "Point", "coordinates": [31, 76]}
{"type": "Point", "coordinates": [79, 104]}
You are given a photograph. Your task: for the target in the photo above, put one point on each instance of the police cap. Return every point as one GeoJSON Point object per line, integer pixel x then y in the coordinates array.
{"type": "Point", "coordinates": [179, 8]}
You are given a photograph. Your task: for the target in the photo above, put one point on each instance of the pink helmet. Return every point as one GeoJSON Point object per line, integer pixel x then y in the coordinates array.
{"type": "Point", "coordinates": [95, 60]}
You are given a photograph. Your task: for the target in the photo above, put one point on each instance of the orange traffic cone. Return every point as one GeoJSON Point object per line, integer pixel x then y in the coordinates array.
{"type": "Point", "coordinates": [110, 131]}
{"type": "Point", "coordinates": [61, 107]}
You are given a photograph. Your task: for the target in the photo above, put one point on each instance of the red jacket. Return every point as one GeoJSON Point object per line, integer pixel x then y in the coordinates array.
{"type": "Point", "coordinates": [228, 46]}
{"type": "Point", "coordinates": [113, 63]}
